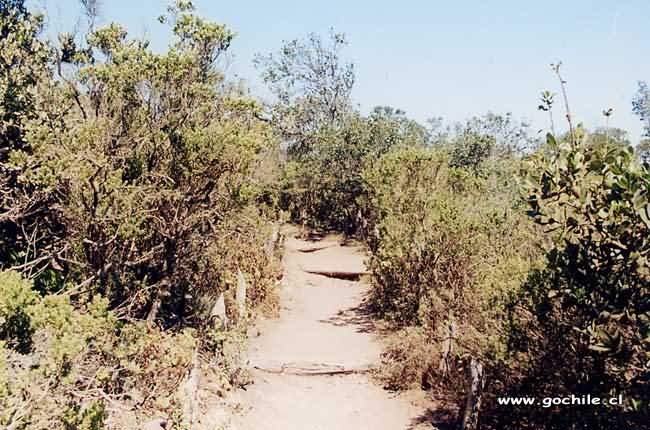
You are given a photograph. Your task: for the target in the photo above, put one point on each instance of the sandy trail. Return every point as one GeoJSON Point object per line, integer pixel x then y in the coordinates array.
{"type": "Point", "coordinates": [321, 328]}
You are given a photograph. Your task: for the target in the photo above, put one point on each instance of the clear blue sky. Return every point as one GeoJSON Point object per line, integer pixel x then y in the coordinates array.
{"type": "Point", "coordinates": [434, 58]}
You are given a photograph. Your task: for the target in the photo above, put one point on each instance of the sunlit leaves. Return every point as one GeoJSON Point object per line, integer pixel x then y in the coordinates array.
{"type": "Point", "coordinates": [312, 85]}
{"type": "Point", "coordinates": [594, 198]}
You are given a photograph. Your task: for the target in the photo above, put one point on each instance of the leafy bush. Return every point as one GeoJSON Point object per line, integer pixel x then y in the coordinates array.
{"type": "Point", "coordinates": [91, 417]}
{"type": "Point", "coordinates": [324, 188]}
{"type": "Point", "coordinates": [86, 346]}
{"type": "Point", "coordinates": [131, 198]}
{"type": "Point", "coordinates": [449, 249]}
{"type": "Point", "coordinates": [156, 153]}
{"type": "Point", "coordinates": [588, 319]}
{"type": "Point", "coordinates": [16, 299]}
{"type": "Point", "coordinates": [470, 150]}
{"type": "Point", "coordinates": [434, 241]}
{"type": "Point", "coordinates": [23, 63]}
{"type": "Point", "coordinates": [400, 211]}
{"type": "Point", "coordinates": [453, 253]}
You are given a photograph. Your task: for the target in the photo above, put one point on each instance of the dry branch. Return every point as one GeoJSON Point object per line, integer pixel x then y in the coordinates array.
{"type": "Point", "coordinates": [313, 369]}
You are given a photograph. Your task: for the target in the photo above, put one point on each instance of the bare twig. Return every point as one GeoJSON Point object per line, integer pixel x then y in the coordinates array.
{"type": "Point", "coordinates": [556, 69]}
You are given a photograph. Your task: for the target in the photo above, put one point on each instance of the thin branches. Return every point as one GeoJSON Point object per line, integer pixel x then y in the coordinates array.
{"type": "Point", "coordinates": [556, 69]}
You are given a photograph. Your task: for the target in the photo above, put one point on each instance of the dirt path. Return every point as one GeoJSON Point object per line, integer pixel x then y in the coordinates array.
{"type": "Point", "coordinates": [310, 365]}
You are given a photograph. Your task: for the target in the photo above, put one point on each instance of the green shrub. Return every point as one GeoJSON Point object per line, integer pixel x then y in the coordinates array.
{"type": "Point", "coordinates": [441, 238]}
{"type": "Point", "coordinates": [90, 417]}
{"type": "Point", "coordinates": [593, 292]}
{"type": "Point", "coordinates": [470, 150]}
{"type": "Point", "coordinates": [16, 298]}
{"type": "Point", "coordinates": [132, 193]}
{"type": "Point", "coordinates": [324, 187]}
{"type": "Point", "coordinates": [134, 187]}
{"type": "Point", "coordinates": [407, 193]}
{"type": "Point", "coordinates": [87, 346]}
{"type": "Point", "coordinates": [449, 249]}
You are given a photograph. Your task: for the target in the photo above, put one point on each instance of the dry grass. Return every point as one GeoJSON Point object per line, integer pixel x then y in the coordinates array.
{"type": "Point", "coordinates": [408, 360]}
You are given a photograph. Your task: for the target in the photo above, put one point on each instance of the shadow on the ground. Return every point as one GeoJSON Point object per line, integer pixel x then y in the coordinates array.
{"type": "Point", "coordinates": [440, 419]}
{"type": "Point", "coordinates": [342, 275]}
{"type": "Point", "coordinates": [311, 235]}
{"type": "Point", "coordinates": [359, 317]}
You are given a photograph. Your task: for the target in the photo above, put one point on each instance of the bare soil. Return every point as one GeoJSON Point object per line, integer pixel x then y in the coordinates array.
{"type": "Point", "coordinates": [311, 367]}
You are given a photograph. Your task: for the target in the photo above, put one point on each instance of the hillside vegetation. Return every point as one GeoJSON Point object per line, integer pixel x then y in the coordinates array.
{"type": "Point", "coordinates": [139, 189]}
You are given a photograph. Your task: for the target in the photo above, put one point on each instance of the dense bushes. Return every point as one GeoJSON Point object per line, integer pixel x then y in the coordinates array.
{"type": "Point", "coordinates": [16, 299]}
{"type": "Point", "coordinates": [589, 306]}
{"type": "Point", "coordinates": [22, 63]}
{"type": "Point", "coordinates": [131, 199]}
{"type": "Point", "coordinates": [82, 355]}
{"type": "Point", "coordinates": [149, 164]}
{"type": "Point", "coordinates": [323, 187]}
{"type": "Point", "coordinates": [454, 253]}
{"type": "Point", "coordinates": [448, 248]}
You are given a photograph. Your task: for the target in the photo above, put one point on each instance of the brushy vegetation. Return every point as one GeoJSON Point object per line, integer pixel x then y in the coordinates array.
{"type": "Point", "coordinates": [584, 318]}
{"type": "Point", "coordinates": [488, 246]}
{"type": "Point", "coordinates": [131, 199]}
{"type": "Point", "coordinates": [137, 188]}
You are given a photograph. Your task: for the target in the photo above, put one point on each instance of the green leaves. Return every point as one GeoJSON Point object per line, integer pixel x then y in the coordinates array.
{"type": "Point", "coordinates": [641, 106]}
{"type": "Point", "coordinates": [16, 298]}
{"type": "Point", "coordinates": [132, 181]}
{"type": "Point", "coordinates": [23, 63]}
{"type": "Point", "coordinates": [312, 86]}
{"type": "Point", "coordinates": [596, 196]}
{"type": "Point", "coordinates": [324, 186]}
{"type": "Point", "coordinates": [471, 149]}
{"type": "Point", "coordinates": [138, 157]}
{"type": "Point", "coordinates": [108, 39]}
